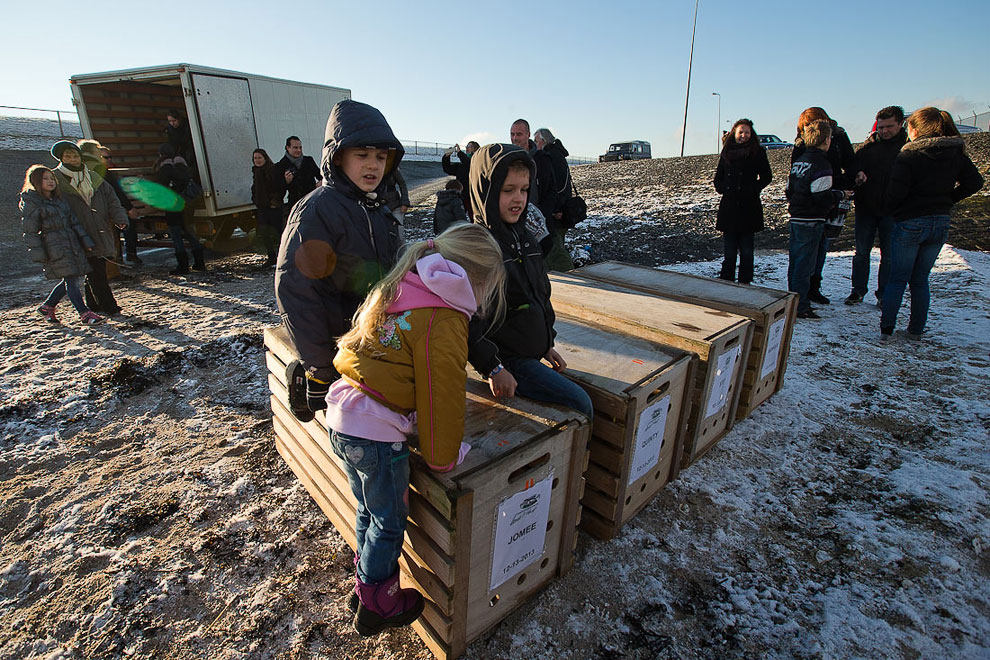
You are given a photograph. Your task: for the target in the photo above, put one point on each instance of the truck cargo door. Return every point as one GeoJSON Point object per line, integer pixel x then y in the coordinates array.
{"type": "Point", "coordinates": [226, 122]}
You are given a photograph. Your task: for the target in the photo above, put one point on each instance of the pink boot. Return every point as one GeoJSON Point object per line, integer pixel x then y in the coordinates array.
{"type": "Point", "coordinates": [385, 605]}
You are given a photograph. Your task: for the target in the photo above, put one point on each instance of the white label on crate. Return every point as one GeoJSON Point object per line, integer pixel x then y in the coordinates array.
{"type": "Point", "coordinates": [649, 438]}
{"type": "Point", "coordinates": [723, 379]}
{"type": "Point", "coordinates": [776, 333]}
{"type": "Point", "coordinates": [520, 530]}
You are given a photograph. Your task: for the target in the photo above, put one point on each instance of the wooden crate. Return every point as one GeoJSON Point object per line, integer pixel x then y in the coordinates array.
{"type": "Point", "coordinates": [772, 311]}
{"type": "Point", "coordinates": [641, 392]}
{"type": "Point", "coordinates": [719, 339]}
{"type": "Point", "coordinates": [450, 545]}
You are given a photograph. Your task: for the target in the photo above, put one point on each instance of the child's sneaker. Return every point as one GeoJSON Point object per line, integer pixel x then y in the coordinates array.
{"type": "Point", "coordinates": [91, 318]}
{"type": "Point", "coordinates": [48, 311]}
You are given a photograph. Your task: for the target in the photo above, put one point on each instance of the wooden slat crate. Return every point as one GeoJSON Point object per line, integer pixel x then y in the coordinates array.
{"type": "Point", "coordinates": [521, 457]}
{"type": "Point", "coordinates": [772, 311]}
{"type": "Point", "coordinates": [720, 340]}
{"type": "Point", "coordinates": [641, 392]}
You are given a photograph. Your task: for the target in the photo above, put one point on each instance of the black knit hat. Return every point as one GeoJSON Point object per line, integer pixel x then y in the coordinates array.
{"type": "Point", "coordinates": [59, 148]}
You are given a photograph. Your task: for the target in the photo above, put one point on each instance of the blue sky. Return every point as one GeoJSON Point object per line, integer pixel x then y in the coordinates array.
{"type": "Point", "coordinates": [593, 72]}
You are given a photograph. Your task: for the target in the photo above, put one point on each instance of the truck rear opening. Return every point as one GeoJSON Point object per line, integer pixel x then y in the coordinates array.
{"type": "Point", "coordinates": [129, 116]}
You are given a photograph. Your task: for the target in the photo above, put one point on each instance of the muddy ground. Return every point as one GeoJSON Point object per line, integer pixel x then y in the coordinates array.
{"type": "Point", "coordinates": [146, 513]}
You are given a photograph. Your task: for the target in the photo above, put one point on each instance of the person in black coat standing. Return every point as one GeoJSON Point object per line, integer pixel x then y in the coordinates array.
{"type": "Point", "coordinates": [846, 174]}
{"type": "Point", "coordinates": [300, 173]}
{"type": "Point", "coordinates": [743, 172]}
{"type": "Point", "coordinates": [876, 156]}
{"type": "Point", "coordinates": [267, 192]}
{"type": "Point", "coordinates": [460, 170]}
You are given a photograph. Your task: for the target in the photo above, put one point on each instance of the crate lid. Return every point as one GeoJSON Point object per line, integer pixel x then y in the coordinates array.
{"type": "Point", "coordinates": [594, 300]}
{"type": "Point", "coordinates": [682, 285]}
{"type": "Point", "coordinates": [497, 428]}
{"type": "Point", "coordinates": [609, 360]}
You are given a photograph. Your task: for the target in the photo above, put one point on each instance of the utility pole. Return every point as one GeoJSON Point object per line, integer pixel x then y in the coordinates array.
{"type": "Point", "coordinates": [687, 96]}
{"type": "Point", "coordinates": [718, 124]}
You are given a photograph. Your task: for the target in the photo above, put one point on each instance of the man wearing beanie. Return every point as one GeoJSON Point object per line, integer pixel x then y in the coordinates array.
{"type": "Point", "coordinates": [96, 206]}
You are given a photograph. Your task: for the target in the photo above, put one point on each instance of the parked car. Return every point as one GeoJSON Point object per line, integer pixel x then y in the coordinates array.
{"type": "Point", "coordinates": [774, 142]}
{"type": "Point", "coordinates": [632, 150]}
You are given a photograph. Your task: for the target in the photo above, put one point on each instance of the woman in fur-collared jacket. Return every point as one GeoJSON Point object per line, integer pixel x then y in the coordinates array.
{"type": "Point", "coordinates": [931, 173]}
{"type": "Point", "coordinates": [743, 171]}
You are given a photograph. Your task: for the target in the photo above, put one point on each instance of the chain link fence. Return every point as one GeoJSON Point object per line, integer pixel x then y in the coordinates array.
{"type": "Point", "coordinates": [976, 120]}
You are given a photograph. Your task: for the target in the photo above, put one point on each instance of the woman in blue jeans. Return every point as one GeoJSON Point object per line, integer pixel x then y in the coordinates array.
{"type": "Point", "coordinates": [931, 173]}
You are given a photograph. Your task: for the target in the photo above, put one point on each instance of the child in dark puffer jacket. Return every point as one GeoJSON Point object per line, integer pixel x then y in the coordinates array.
{"type": "Point", "coordinates": [450, 208]}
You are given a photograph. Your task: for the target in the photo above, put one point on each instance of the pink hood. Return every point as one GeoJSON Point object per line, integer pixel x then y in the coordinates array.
{"type": "Point", "coordinates": [436, 283]}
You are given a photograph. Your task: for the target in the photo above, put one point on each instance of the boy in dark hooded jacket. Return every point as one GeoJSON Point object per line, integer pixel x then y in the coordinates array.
{"type": "Point", "coordinates": [337, 244]}
{"type": "Point", "coordinates": [510, 355]}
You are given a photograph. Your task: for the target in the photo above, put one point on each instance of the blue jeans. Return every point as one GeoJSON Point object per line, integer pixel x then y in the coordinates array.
{"type": "Point", "coordinates": [868, 225]}
{"type": "Point", "coordinates": [71, 286]}
{"type": "Point", "coordinates": [535, 380]}
{"type": "Point", "coordinates": [741, 243]}
{"type": "Point", "coordinates": [914, 247]}
{"type": "Point", "coordinates": [806, 239]}
{"type": "Point", "coordinates": [378, 473]}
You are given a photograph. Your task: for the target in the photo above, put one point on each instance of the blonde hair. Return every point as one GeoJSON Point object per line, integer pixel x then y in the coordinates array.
{"type": "Point", "coordinates": [470, 246]}
{"type": "Point", "coordinates": [89, 147]}
{"type": "Point", "coordinates": [816, 133]}
{"type": "Point", "coordinates": [932, 122]}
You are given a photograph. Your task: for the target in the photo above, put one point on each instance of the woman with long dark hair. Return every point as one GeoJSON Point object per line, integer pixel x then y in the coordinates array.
{"type": "Point", "coordinates": [931, 173]}
{"type": "Point", "coordinates": [57, 240]}
{"type": "Point", "coordinates": [743, 172]}
{"type": "Point", "coordinates": [267, 192]}
{"type": "Point", "coordinates": [846, 174]}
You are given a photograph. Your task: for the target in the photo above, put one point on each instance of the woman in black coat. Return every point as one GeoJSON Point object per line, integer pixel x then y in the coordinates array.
{"type": "Point", "coordinates": [743, 172]}
{"type": "Point", "coordinates": [267, 192]}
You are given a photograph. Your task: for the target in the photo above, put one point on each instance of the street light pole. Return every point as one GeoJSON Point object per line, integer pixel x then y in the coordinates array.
{"type": "Point", "coordinates": [718, 124]}
{"type": "Point", "coordinates": [687, 96]}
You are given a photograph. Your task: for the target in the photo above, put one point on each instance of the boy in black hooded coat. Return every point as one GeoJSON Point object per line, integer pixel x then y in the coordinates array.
{"type": "Point", "coordinates": [510, 354]}
{"type": "Point", "coordinates": [337, 244]}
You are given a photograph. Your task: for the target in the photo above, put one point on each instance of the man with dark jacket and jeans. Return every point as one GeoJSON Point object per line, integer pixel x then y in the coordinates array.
{"type": "Point", "coordinates": [876, 158]}
{"type": "Point", "coordinates": [338, 243]}
{"type": "Point", "coordinates": [300, 173]}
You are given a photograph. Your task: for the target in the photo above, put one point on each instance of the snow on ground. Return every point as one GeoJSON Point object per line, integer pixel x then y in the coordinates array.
{"type": "Point", "coordinates": [146, 513]}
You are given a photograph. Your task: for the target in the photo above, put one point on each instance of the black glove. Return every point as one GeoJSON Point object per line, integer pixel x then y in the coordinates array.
{"type": "Point", "coordinates": [316, 393]}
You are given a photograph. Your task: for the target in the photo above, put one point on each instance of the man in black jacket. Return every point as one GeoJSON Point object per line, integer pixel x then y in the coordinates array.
{"type": "Point", "coordinates": [300, 173]}
{"type": "Point", "coordinates": [461, 169]}
{"type": "Point", "coordinates": [876, 158]}
{"type": "Point", "coordinates": [543, 189]}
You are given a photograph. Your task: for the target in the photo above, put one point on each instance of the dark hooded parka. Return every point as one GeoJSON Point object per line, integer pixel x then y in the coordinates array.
{"type": "Point", "coordinates": [527, 330]}
{"type": "Point", "coordinates": [338, 242]}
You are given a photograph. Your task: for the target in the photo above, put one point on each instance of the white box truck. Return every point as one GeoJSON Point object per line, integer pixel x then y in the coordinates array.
{"type": "Point", "coordinates": [230, 114]}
